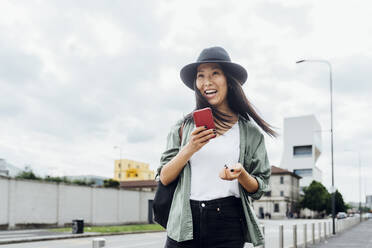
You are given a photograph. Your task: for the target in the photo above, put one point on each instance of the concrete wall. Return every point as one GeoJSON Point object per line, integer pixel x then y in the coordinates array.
{"type": "Point", "coordinates": [4, 189]}
{"type": "Point", "coordinates": [24, 202]}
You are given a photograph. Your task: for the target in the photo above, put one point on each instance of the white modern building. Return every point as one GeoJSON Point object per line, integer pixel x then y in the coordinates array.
{"type": "Point", "coordinates": [7, 169]}
{"type": "Point", "coordinates": [302, 148]}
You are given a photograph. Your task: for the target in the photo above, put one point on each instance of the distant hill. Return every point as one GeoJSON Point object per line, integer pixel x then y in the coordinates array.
{"type": "Point", "coordinates": [7, 169]}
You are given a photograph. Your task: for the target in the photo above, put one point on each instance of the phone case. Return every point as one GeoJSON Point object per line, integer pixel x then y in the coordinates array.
{"type": "Point", "coordinates": [204, 117]}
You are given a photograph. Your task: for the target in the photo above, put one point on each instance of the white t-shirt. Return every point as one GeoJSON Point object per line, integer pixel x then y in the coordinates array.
{"type": "Point", "coordinates": [207, 163]}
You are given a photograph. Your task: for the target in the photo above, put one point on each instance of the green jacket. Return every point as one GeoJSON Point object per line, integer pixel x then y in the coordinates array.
{"type": "Point", "coordinates": [252, 156]}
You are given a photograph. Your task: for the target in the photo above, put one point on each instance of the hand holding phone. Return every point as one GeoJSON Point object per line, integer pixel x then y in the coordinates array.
{"type": "Point", "coordinates": [204, 117]}
{"type": "Point", "coordinates": [204, 131]}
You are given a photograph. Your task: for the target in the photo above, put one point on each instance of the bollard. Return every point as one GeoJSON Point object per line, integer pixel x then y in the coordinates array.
{"type": "Point", "coordinates": [294, 236]}
{"type": "Point", "coordinates": [313, 232]}
{"type": "Point", "coordinates": [320, 231]}
{"type": "Point", "coordinates": [99, 242]}
{"type": "Point", "coordinates": [325, 230]}
{"type": "Point", "coordinates": [305, 235]}
{"type": "Point", "coordinates": [329, 228]}
{"type": "Point", "coordinates": [281, 240]}
{"type": "Point", "coordinates": [263, 233]}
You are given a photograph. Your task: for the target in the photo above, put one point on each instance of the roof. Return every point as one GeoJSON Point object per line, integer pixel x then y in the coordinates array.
{"type": "Point", "coordinates": [139, 184]}
{"type": "Point", "coordinates": [280, 171]}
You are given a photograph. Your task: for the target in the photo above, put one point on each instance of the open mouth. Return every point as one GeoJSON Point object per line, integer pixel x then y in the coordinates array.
{"type": "Point", "coordinates": [210, 93]}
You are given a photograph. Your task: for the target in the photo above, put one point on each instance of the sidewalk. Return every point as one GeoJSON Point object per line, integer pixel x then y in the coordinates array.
{"type": "Point", "coordinates": [358, 236]}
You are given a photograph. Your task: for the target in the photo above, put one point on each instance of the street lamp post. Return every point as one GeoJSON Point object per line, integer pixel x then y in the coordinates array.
{"type": "Point", "coordinates": [331, 103]}
{"type": "Point", "coordinates": [119, 147]}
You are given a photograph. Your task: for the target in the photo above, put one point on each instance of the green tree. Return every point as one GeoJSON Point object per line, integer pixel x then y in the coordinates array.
{"type": "Point", "coordinates": [27, 173]}
{"type": "Point", "coordinates": [348, 206]}
{"type": "Point", "coordinates": [110, 183]}
{"type": "Point", "coordinates": [316, 197]}
{"type": "Point", "coordinates": [340, 205]}
{"type": "Point", "coordinates": [83, 182]}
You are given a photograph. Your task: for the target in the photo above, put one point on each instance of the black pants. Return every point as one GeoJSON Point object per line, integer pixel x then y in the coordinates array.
{"type": "Point", "coordinates": [217, 223]}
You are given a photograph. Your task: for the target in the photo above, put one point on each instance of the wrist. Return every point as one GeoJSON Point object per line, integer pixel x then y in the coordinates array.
{"type": "Point", "coordinates": [187, 151]}
{"type": "Point", "coordinates": [243, 174]}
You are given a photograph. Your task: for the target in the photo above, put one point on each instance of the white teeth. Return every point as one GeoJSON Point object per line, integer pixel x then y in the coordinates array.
{"type": "Point", "coordinates": [210, 91]}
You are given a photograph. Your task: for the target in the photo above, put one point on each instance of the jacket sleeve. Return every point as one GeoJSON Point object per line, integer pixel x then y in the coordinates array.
{"type": "Point", "coordinates": [260, 169]}
{"type": "Point", "coordinates": [172, 147]}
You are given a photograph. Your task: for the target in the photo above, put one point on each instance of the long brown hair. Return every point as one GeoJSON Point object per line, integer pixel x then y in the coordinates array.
{"type": "Point", "coordinates": [238, 103]}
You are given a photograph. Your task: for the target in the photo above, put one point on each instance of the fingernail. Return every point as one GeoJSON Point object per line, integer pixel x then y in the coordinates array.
{"type": "Point", "coordinates": [232, 170]}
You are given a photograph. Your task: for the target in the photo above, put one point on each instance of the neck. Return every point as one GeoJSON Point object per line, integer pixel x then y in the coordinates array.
{"type": "Point", "coordinates": [227, 110]}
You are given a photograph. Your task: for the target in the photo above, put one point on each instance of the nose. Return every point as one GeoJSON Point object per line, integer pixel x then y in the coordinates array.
{"type": "Point", "coordinates": [207, 81]}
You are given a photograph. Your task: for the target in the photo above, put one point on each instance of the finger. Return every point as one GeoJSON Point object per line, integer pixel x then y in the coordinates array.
{"type": "Point", "coordinates": [203, 136]}
{"type": "Point", "coordinates": [204, 133]}
{"type": "Point", "coordinates": [231, 175]}
{"type": "Point", "coordinates": [206, 138]}
{"type": "Point", "coordinates": [198, 130]}
{"type": "Point", "coordinates": [222, 174]}
{"type": "Point", "coordinates": [236, 170]}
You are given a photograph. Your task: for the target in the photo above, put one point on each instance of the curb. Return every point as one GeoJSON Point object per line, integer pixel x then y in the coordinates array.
{"type": "Point", "coordinates": [72, 236]}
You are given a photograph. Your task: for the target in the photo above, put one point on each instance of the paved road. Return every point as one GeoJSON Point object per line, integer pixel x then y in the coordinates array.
{"type": "Point", "coordinates": [156, 240]}
{"type": "Point", "coordinates": [129, 241]}
{"type": "Point", "coordinates": [358, 236]}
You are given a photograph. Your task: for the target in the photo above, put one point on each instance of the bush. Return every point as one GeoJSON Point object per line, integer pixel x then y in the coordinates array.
{"type": "Point", "coordinates": [27, 173]}
{"type": "Point", "coordinates": [111, 183]}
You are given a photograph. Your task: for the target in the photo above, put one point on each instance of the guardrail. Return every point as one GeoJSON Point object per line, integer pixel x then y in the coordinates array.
{"type": "Point", "coordinates": [311, 233]}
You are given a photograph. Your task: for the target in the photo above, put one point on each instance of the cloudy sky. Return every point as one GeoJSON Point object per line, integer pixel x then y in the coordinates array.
{"type": "Point", "coordinates": [80, 77]}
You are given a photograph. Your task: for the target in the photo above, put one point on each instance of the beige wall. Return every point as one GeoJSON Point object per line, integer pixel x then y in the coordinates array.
{"type": "Point", "coordinates": [126, 170]}
{"type": "Point", "coordinates": [290, 189]}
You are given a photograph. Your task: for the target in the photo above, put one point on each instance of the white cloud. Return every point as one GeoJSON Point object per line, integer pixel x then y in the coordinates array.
{"type": "Point", "coordinates": [77, 78]}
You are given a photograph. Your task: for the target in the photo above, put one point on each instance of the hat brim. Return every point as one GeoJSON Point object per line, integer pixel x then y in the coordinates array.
{"type": "Point", "coordinates": [188, 72]}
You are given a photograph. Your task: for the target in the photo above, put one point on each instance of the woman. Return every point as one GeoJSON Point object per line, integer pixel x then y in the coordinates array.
{"type": "Point", "coordinates": [219, 170]}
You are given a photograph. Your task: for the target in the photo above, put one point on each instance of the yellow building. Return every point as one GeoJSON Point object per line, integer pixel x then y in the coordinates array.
{"type": "Point", "coordinates": [130, 170]}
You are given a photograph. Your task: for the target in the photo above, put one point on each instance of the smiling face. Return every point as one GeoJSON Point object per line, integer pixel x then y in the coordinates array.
{"type": "Point", "coordinates": [212, 84]}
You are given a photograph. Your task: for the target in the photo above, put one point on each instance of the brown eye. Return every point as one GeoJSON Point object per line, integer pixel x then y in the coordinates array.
{"type": "Point", "coordinates": [200, 75]}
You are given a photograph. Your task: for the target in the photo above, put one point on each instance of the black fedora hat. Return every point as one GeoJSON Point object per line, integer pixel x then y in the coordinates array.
{"type": "Point", "coordinates": [213, 55]}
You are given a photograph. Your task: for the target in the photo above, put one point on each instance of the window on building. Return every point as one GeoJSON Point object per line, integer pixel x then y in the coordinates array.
{"type": "Point", "coordinates": [138, 166]}
{"type": "Point", "coordinates": [261, 212]}
{"type": "Point", "coordinates": [119, 165]}
{"type": "Point", "coordinates": [136, 175]}
{"type": "Point", "coordinates": [282, 193]}
{"type": "Point", "coordinates": [276, 207]}
{"type": "Point", "coordinates": [302, 150]}
{"type": "Point", "coordinates": [128, 165]}
{"type": "Point", "coordinates": [281, 180]}
{"type": "Point", "coordinates": [268, 193]}
{"type": "Point", "coordinates": [119, 175]}
{"type": "Point", "coordinates": [304, 172]}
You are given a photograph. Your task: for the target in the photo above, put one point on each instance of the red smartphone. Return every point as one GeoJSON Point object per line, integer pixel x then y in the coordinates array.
{"type": "Point", "coordinates": [204, 117]}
